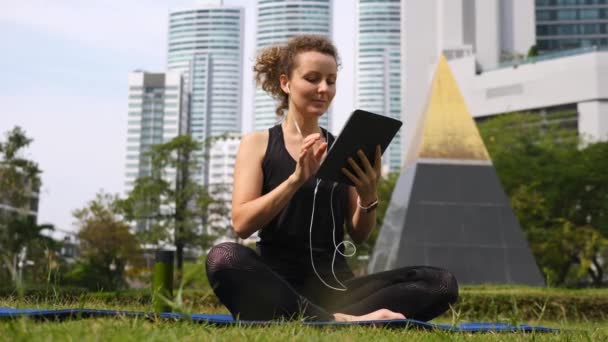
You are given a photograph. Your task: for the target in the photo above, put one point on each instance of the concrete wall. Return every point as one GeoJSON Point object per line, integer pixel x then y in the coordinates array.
{"type": "Point", "coordinates": [524, 25]}
{"type": "Point", "coordinates": [419, 50]}
{"type": "Point", "coordinates": [543, 84]}
{"type": "Point", "coordinates": [593, 120]}
{"type": "Point", "coordinates": [487, 33]}
{"type": "Point", "coordinates": [580, 79]}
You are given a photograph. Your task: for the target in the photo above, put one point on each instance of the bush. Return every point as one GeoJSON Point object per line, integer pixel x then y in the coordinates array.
{"type": "Point", "coordinates": [44, 292]}
{"type": "Point", "coordinates": [499, 303]}
{"type": "Point", "coordinates": [191, 298]}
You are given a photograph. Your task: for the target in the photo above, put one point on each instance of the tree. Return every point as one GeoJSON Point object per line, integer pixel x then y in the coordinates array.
{"type": "Point", "coordinates": [533, 51]}
{"type": "Point", "coordinates": [106, 244]}
{"type": "Point", "coordinates": [19, 184]}
{"type": "Point", "coordinates": [175, 209]}
{"type": "Point", "coordinates": [568, 252]}
{"type": "Point", "coordinates": [558, 190]}
{"type": "Point", "coordinates": [19, 177]}
{"type": "Point", "coordinates": [217, 200]}
{"type": "Point", "coordinates": [19, 234]}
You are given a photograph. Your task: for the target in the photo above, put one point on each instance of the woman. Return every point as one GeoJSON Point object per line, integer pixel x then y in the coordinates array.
{"type": "Point", "coordinates": [292, 274]}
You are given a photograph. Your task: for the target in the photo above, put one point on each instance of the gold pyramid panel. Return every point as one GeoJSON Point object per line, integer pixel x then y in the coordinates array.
{"type": "Point", "coordinates": [449, 131]}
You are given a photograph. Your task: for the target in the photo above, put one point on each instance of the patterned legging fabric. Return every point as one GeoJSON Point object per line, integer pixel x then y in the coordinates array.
{"type": "Point", "coordinates": [251, 290]}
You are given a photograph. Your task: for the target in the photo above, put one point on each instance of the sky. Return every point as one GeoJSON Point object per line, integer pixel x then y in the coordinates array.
{"type": "Point", "coordinates": [64, 68]}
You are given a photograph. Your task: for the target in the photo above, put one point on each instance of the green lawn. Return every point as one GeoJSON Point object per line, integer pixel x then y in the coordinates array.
{"type": "Point", "coordinates": [138, 329]}
{"type": "Point", "coordinates": [121, 329]}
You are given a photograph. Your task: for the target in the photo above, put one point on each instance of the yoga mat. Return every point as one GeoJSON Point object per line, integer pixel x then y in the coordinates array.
{"type": "Point", "coordinates": [227, 320]}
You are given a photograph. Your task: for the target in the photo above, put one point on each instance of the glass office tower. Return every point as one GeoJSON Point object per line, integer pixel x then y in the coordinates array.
{"type": "Point", "coordinates": [206, 45]}
{"type": "Point", "coordinates": [571, 24]}
{"type": "Point", "coordinates": [378, 66]}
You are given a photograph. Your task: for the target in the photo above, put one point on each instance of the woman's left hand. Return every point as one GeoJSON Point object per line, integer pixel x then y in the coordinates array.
{"type": "Point", "coordinates": [366, 179]}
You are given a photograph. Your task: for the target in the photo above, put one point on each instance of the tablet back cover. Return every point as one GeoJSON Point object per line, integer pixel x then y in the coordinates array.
{"type": "Point", "coordinates": [363, 130]}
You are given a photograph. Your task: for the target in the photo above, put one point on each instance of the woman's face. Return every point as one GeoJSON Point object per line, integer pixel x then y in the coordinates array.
{"type": "Point", "coordinates": [312, 84]}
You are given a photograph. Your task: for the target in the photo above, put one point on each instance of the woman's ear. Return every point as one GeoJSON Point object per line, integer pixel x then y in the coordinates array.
{"type": "Point", "coordinates": [284, 83]}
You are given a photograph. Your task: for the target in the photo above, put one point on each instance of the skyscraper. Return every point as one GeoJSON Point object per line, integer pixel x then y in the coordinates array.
{"type": "Point", "coordinates": [378, 66]}
{"type": "Point", "coordinates": [206, 44]}
{"type": "Point", "coordinates": [157, 113]}
{"type": "Point", "coordinates": [570, 24]}
{"type": "Point", "coordinates": [277, 21]}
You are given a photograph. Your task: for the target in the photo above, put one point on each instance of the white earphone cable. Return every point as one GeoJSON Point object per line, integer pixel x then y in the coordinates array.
{"type": "Point", "coordinates": [336, 246]}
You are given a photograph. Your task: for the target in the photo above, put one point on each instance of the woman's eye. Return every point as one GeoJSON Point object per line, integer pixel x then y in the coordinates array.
{"type": "Point", "coordinates": [315, 80]}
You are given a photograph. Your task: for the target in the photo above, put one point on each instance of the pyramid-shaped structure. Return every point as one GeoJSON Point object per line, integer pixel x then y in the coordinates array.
{"type": "Point", "coordinates": [448, 208]}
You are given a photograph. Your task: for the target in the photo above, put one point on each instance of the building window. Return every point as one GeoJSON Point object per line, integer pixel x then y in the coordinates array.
{"type": "Point", "coordinates": [566, 14]}
{"type": "Point", "coordinates": [589, 14]}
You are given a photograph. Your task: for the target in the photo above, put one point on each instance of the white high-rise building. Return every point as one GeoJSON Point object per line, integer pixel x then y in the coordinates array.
{"type": "Point", "coordinates": [206, 44]}
{"type": "Point", "coordinates": [378, 66]}
{"type": "Point", "coordinates": [222, 156]}
{"type": "Point", "coordinates": [492, 30]}
{"type": "Point", "coordinates": [277, 21]}
{"type": "Point", "coordinates": [157, 113]}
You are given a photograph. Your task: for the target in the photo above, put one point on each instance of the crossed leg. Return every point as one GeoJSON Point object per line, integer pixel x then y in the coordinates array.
{"type": "Point", "coordinates": [417, 292]}
{"type": "Point", "coordinates": [252, 291]}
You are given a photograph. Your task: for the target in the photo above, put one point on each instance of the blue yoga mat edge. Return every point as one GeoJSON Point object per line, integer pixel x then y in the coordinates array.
{"type": "Point", "coordinates": [227, 320]}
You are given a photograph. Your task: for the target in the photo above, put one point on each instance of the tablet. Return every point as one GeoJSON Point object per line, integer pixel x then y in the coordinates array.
{"type": "Point", "coordinates": [363, 130]}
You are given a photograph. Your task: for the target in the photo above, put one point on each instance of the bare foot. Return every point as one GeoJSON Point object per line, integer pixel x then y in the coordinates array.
{"type": "Point", "coordinates": [382, 314]}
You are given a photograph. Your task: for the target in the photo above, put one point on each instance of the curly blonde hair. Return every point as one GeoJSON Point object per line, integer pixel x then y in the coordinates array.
{"type": "Point", "coordinates": [277, 60]}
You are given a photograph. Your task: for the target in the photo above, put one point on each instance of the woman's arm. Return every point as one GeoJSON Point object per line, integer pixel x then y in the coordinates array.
{"type": "Point", "coordinates": [366, 179]}
{"type": "Point", "coordinates": [250, 210]}
{"type": "Point", "coordinates": [361, 223]}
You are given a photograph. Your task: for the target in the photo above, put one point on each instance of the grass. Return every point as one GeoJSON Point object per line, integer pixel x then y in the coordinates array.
{"type": "Point", "coordinates": [525, 303]}
{"type": "Point", "coordinates": [137, 329]}
{"type": "Point", "coordinates": [127, 329]}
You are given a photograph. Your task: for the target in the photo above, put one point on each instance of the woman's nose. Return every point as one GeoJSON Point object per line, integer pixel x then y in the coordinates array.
{"type": "Point", "coordinates": [323, 86]}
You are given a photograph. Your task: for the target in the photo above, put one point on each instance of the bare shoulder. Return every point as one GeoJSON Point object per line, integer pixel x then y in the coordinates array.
{"type": "Point", "coordinates": [254, 144]}
{"type": "Point", "coordinates": [248, 175]}
{"type": "Point", "coordinates": [257, 137]}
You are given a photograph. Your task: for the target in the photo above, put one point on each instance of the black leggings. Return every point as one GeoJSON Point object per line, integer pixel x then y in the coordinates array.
{"type": "Point", "coordinates": [251, 290]}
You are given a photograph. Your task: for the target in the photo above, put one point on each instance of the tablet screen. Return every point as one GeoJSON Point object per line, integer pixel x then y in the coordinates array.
{"type": "Point", "coordinates": [363, 130]}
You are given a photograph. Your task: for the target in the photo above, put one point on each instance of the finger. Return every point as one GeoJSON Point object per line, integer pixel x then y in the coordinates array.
{"type": "Point", "coordinates": [320, 151]}
{"type": "Point", "coordinates": [352, 177]}
{"type": "Point", "coordinates": [356, 168]}
{"type": "Point", "coordinates": [309, 142]}
{"type": "Point", "coordinates": [302, 154]}
{"type": "Point", "coordinates": [302, 157]}
{"type": "Point", "coordinates": [378, 161]}
{"type": "Point", "coordinates": [310, 152]}
{"type": "Point", "coordinates": [313, 137]}
{"type": "Point", "coordinates": [366, 165]}
{"type": "Point", "coordinates": [308, 145]}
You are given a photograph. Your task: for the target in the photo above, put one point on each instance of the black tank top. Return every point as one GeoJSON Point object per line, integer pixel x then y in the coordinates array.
{"type": "Point", "coordinates": [284, 241]}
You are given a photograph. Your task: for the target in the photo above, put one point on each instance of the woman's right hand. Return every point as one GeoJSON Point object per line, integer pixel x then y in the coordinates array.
{"type": "Point", "coordinates": [309, 159]}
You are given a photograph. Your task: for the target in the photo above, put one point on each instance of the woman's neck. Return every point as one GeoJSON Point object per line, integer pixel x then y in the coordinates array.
{"type": "Point", "coordinates": [300, 125]}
